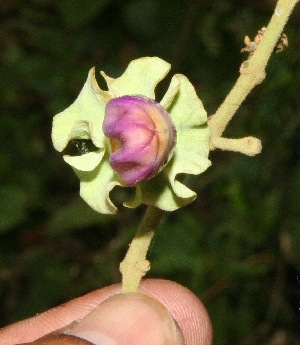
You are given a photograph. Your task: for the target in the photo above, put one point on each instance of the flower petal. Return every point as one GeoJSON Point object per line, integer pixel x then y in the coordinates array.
{"type": "Point", "coordinates": [89, 107]}
{"type": "Point", "coordinates": [187, 109]}
{"type": "Point", "coordinates": [159, 193]}
{"type": "Point", "coordinates": [96, 185]}
{"type": "Point", "coordinates": [85, 162]}
{"type": "Point", "coordinates": [171, 93]}
{"type": "Point", "coordinates": [136, 200]}
{"type": "Point", "coordinates": [193, 136]}
{"type": "Point", "coordinates": [140, 78]}
{"type": "Point", "coordinates": [190, 154]}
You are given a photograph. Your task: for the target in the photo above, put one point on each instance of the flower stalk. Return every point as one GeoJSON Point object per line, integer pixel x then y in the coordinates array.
{"type": "Point", "coordinates": [135, 265]}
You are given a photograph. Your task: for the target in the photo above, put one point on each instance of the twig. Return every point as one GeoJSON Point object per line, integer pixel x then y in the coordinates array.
{"type": "Point", "coordinates": [252, 73]}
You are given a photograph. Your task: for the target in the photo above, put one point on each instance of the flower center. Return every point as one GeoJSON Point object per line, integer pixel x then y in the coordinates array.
{"type": "Point", "coordinates": [115, 144]}
{"type": "Point", "coordinates": [142, 137]}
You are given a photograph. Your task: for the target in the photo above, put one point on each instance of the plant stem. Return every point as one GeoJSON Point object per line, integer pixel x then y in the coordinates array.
{"type": "Point", "coordinates": [135, 266]}
{"type": "Point", "coordinates": [253, 70]}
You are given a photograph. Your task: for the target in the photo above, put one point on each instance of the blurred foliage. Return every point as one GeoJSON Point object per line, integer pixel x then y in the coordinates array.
{"type": "Point", "coordinates": [236, 247]}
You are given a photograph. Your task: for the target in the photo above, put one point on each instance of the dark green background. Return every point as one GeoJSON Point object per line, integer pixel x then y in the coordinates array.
{"type": "Point", "coordinates": [237, 246]}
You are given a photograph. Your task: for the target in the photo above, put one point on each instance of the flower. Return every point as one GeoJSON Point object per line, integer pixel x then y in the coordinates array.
{"type": "Point", "coordinates": [83, 124]}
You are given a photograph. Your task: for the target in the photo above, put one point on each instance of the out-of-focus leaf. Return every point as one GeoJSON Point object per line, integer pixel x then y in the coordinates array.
{"type": "Point", "coordinates": [141, 16]}
{"type": "Point", "coordinates": [74, 216]}
{"type": "Point", "coordinates": [79, 12]}
{"type": "Point", "coordinates": [13, 207]}
{"type": "Point", "coordinates": [46, 278]}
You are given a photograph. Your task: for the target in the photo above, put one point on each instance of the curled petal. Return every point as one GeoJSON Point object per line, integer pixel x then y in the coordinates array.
{"type": "Point", "coordinates": [88, 161]}
{"type": "Point", "coordinates": [96, 185]}
{"type": "Point", "coordinates": [190, 156]}
{"type": "Point", "coordinates": [140, 78]}
{"type": "Point", "coordinates": [145, 137]}
{"type": "Point", "coordinates": [81, 119]}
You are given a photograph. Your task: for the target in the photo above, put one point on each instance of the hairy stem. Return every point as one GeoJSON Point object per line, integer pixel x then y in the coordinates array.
{"type": "Point", "coordinates": [135, 266]}
{"type": "Point", "coordinates": [252, 70]}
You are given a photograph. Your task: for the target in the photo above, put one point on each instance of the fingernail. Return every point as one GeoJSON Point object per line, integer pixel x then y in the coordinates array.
{"type": "Point", "coordinates": [131, 318]}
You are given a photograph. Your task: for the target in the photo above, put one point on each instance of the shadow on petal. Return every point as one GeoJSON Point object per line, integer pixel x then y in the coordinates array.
{"type": "Point", "coordinates": [95, 186]}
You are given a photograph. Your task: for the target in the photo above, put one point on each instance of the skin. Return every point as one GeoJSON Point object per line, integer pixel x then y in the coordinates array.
{"type": "Point", "coordinates": [166, 298]}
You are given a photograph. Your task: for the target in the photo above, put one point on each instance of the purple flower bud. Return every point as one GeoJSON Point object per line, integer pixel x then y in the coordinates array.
{"type": "Point", "coordinates": [142, 136]}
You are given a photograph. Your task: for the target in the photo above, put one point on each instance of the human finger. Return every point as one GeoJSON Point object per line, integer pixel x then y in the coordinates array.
{"type": "Point", "coordinates": [183, 305]}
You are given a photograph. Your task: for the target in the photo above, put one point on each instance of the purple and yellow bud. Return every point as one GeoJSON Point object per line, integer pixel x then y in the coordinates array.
{"type": "Point", "coordinates": [142, 137]}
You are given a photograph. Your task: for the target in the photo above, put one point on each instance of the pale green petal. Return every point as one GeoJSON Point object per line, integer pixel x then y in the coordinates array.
{"type": "Point", "coordinates": [85, 162]}
{"type": "Point", "coordinates": [89, 108]}
{"type": "Point", "coordinates": [81, 130]}
{"type": "Point", "coordinates": [140, 78]}
{"type": "Point", "coordinates": [96, 185]}
{"type": "Point", "coordinates": [171, 93]}
{"type": "Point", "coordinates": [187, 110]}
{"type": "Point", "coordinates": [136, 200]}
{"type": "Point", "coordinates": [191, 152]}
{"type": "Point", "coordinates": [193, 134]}
{"type": "Point", "coordinates": [88, 161]}
{"type": "Point", "coordinates": [158, 192]}
{"type": "Point", "coordinates": [190, 155]}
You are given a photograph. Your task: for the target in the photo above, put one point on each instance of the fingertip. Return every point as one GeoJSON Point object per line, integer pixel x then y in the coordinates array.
{"type": "Point", "coordinates": [185, 307]}
{"type": "Point", "coordinates": [131, 318]}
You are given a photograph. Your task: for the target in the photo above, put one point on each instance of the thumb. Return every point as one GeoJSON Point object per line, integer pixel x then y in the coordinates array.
{"type": "Point", "coordinates": [131, 318]}
{"type": "Point", "coordinates": [122, 319]}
